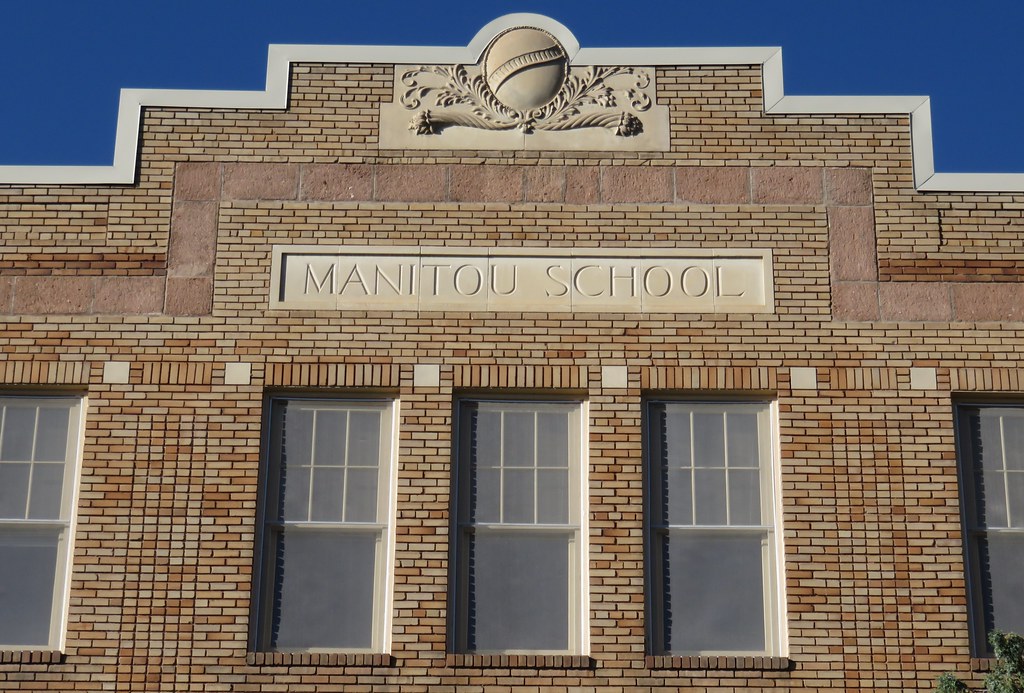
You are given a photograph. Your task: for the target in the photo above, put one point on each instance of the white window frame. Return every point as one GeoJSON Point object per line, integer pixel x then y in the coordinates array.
{"type": "Point", "coordinates": [579, 593]}
{"type": "Point", "coordinates": [68, 515]}
{"type": "Point", "coordinates": [973, 533]}
{"type": "Point", "coordinates": [773, 583]}
{"type": "Point", "coordinates": [264, 577]}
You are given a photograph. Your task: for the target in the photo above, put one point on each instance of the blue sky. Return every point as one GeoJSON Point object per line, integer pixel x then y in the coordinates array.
{"type": "Point", "coordinates": [62, 62]}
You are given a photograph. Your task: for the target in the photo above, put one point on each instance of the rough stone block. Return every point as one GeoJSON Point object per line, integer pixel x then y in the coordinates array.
{"type": "Point", "coordinates": [636, 184]}
{"type": "Point", "coordinates": [53, 295]}
{"type": "Point", "coordinates": [337, 182]}
{"type": "Point", "coordinates": [713, 185]}
{"type": "Point", "coordinates": [486, 184]}
{"type": "Point", "coordinates": [412, 183]}
{"type": "Point", "coordinates": [989, 302]}
{"type": "Point", "coordinates": [129, 295]}
{"type": "Point", "coordinates": [6, 294]}
{"type": "Point", "coordinates": [582, 185]}
{"type": "Point", "coordinates": [787, 185]}
{"type": "Point", "coordinates": [848, 186]}
{"type": "Point", "coordinates": [197, 181]}
{"type": "Point", "coordinates": [545, 184]}
{"type": "Point", "coordinates": [852, 243]}
{"type": "Point", "coordinates": [914, 301]}
{"type": "Point", "coordinates": [189, 296]}
{"type": "Point", "coordinates": [855, 301]}
{"type": "Point", "coordinates": [193, 240]}
{"type": "Point", "coordinates": [261, 181]}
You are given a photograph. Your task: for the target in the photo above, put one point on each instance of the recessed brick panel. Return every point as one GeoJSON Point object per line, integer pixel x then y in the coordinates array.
{"type": "Point", "coordinates": [636, 184]}
{"type": "Point", "coordinates": [337, 182]}
{"type": "Point", "coordinates": [914, 301]}
{"type": "Point", "coordinates": [706, 185]}
{"type": "Point", "coordinates": [412, 183]}
{"type": "Point", "coordinates": [486, 184]}
{"type": "Point", "coordinates": [787, 185]}
{"type": "Point", "coordinates": [261, 181]}
{"type": "Point", "coordinates": [851, 237]}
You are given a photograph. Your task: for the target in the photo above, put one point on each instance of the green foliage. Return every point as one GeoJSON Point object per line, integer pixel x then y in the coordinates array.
{"type": "Point", "coordinates": [1007, 675]}
{"type": "Point", "coordinates": [948, 683]}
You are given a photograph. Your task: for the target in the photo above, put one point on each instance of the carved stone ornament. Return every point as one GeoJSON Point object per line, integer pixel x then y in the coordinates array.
{"type": "Point", "coordinates": [525, 84]}
{"type": "Point", "coordinates": [523, 94]}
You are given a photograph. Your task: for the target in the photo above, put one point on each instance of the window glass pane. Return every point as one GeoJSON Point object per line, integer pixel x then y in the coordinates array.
{"type": "Point", "coordinates": [708, 440]}
{"type": "Point", "coordinates": [294, 493]}
{"type": "Point", "coordinates": [19, 429]}
{"type": "Point", "coordinates": [328, 489]}
{"type": "Point", "coordinates": [552, 439]}
{"type": "Point", "coordinates": [364, 439]}
{"type": "Point", "coordinates": [742, 440]}
{"type": "Point", "coordinates": [1013, 441]}
{"type": "Point", "coordinates": [744, 497]}
{"type": "Point", "coordinates": [519, 592]}
{"type": "Point", "coordinates": [1015, 492]}
{"type": "Point", "coordinates": [297, 436]}
{"type": "Point", "coordinates": [487, 498]}
{"type": "Point", "coordinates": [331, 429]}
{"type": "Point", "coordinates": [47, 488]}
{"type": "Point", "coordinates": [986, 440]}
{"type": "Point", "coordinates": [712, 593]}
{"type": "Point", "coordinates": [361, 495]}
{"type": "Point", "coordinates": [990, 499]}
{"type": "Point", "coordinates": [13, 489]}
{"type": "Point", "coordinates": [1001, 564]}
{"type": "Point", "coordinates": [709, 496]}
{"type": "Point", "coordinates": [518, 439]}
{"type": "Point", "coordinates": [28, 566]}
{"type": "Point", "coordinates": [679, 496]}
{"type": "Point", "coordinates": [518, 495]}
{"type": "Point", "coordinates": [553, 496]}
{"type": "Point", "coordinates": [676, 438]}
{"type": "Point", "coordinates": [52, 434]}
{"type": "Point", "coordinates": [323, 590]}
{"type": "Point", "coordinates": [486, 438]}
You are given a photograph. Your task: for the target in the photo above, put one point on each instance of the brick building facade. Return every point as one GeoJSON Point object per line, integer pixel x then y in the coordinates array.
{"type": "Point", "coordinates": [143, 327]}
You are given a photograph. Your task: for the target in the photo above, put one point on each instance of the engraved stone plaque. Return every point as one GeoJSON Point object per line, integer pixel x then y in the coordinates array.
{"type": "Point", "coordinates": [547, 280]}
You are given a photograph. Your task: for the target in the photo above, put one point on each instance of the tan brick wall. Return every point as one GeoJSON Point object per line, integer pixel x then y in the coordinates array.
{"type": "Point", "coordinates": [172, 275]}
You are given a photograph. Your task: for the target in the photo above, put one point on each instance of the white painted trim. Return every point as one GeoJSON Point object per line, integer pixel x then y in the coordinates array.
{"type": "Point", "coordinates": [281, 56]}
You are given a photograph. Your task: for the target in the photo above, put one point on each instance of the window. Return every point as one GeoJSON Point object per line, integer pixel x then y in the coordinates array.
{"type": "Point", "coordinates": [38, 462]}
{"type": "Point", "coordinates": [520, 581]}
{"type": "Point", "coordinates": [327, 530]}
{"type": "Point", "coordinates": [991, 450]}
{"type": "Point", "coordinates": [712, 538]}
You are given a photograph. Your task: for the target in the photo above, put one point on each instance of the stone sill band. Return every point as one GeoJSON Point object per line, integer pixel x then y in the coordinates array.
{"type": "Point", "coordinates": [31, 657]}
{"type": "Point", "coordinates": [718, 663]}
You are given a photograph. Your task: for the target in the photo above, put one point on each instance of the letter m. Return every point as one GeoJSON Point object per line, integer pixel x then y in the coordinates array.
{"type": "Point", "coordinates": [311, 278]}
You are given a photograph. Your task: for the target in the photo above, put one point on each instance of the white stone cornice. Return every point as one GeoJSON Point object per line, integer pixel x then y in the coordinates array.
{"type": "Point", "coordinates": [280, 57]}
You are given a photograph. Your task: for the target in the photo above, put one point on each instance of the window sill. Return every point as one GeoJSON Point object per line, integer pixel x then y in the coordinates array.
{"type": "Point", "coordinates": [519, 661]}
{"type": "Point", "coordinates": [736, 663]}
{"type": "Point", "coordinates": [319, 659]}
{"type": "Point", "coordinates": [982, 663]}
{"type": "Point", "coordinates": [31, 657]}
